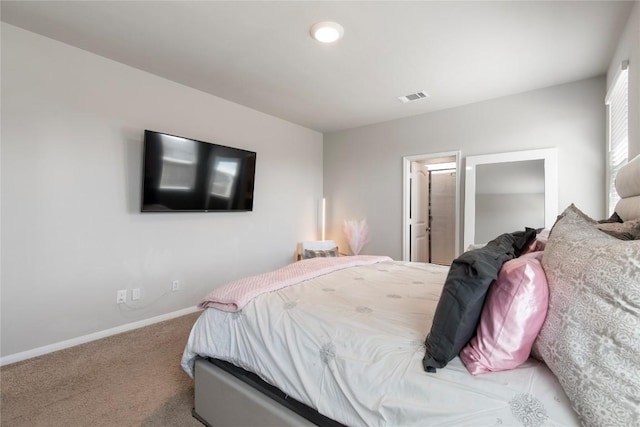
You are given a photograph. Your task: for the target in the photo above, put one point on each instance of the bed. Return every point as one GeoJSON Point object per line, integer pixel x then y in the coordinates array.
{"type": "Point", "coordinates": [350, 340]}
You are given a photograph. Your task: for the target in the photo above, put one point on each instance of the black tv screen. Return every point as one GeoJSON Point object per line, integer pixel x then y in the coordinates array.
{"type": "Point", "coordinates": [186, 175]}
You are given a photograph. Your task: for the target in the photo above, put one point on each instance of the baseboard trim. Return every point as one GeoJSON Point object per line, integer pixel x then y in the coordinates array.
{"type": "Point", "coordinates": [24, 355]}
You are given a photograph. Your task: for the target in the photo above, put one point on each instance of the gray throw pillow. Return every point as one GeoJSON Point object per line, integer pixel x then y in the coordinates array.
{"type": "Point", "coordinates": [321, 253]}
{"type": "Point", "coordinates": [628, 230]}
{"type": "Point", "coordinates": [591, 336]}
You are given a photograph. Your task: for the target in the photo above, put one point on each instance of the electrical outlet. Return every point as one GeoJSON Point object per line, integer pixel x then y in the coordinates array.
{"type": "Point", "coordinates": [175, 285]}
{"type": "Point", "coordinates": [135, 294]}
{"type": "Point", "coordinates": [121, 296]}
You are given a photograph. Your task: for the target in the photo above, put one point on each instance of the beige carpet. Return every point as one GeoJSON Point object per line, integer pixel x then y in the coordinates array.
{"type": "Point", "coordinates": [130, 379]}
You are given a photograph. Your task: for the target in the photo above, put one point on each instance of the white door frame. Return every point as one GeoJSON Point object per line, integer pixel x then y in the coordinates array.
{"type": "Point", "coordinates": [406, 198]}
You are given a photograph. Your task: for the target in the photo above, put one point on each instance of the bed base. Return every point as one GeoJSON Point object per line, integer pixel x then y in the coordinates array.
{"type": "Point", "coordinates": [226, 395]}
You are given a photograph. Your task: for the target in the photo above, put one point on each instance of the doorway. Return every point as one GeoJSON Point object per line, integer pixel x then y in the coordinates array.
{"type": "Point", "coordinates": [431, 208]}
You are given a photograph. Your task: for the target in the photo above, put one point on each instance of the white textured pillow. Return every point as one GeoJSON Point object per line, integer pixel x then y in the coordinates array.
{"type": "Point", "coordinates": [591, 336]}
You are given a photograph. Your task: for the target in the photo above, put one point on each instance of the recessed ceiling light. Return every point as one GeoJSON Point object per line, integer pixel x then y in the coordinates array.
{"type": "Point", "coordinates": [327, 32]}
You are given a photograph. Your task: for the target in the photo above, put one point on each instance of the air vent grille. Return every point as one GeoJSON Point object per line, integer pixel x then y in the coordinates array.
{"type": "Point", "coordinates": [413, 96]}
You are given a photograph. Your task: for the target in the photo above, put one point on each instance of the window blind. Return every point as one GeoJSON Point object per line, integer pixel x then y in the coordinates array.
{"type": "Point", "coordinates": [617, 101]}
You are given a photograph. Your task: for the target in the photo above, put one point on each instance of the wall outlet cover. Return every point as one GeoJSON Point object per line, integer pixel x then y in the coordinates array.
{"type": "Point", "coordinates": [121, 296]}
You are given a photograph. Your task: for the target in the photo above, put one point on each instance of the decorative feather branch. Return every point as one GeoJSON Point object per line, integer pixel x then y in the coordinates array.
{"type": "Point", "coordinates": [357, 233]}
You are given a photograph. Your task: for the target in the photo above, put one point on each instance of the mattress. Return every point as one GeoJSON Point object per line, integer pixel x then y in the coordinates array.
{"type": "Point", "coordinates": [350, 345]}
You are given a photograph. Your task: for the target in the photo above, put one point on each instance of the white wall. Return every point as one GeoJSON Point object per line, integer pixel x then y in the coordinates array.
{"type": "Point", "coordinates": [72, 233]}
{"type": "Point", "coordinates": [629, 49]}
{"type": "Point", "coordinates": [363, 166]}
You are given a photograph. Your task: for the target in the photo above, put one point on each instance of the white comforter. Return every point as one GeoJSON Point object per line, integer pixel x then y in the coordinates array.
{"type": "Point", "coordinates": [350, 344]}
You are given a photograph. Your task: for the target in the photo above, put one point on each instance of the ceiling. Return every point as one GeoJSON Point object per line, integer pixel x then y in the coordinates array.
{"type": "Point", "coordinates": [259, 54]}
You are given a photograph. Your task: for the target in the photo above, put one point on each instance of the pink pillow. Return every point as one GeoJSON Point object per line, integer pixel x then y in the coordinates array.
{"type": "Point", "coordinates": [512, 315]}
{"type": "Point", "coordinates": [538, 243]}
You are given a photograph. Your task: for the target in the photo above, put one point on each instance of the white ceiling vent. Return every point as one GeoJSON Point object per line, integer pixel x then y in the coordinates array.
{"type": "Point", "coordinates": [413, 96]}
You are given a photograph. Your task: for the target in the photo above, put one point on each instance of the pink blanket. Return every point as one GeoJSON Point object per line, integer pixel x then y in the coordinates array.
{"type": "Point", "coordinates": [235, 295]}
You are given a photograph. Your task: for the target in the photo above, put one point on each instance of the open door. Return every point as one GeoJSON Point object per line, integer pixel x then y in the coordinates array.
{"type": "Point", "coordinates": [419, 223]}
{"type": "Point", "coordinates": [431, 219]}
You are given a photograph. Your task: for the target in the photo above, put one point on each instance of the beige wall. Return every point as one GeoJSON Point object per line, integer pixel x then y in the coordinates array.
{"type": "Point", "coordinates": [363, 166]}
{"type": "Point", "coordinates": [72, 231]}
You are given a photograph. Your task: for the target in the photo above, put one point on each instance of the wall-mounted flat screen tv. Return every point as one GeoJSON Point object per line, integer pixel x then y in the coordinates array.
{"type": "Point", "coordinates": [186, 175]}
